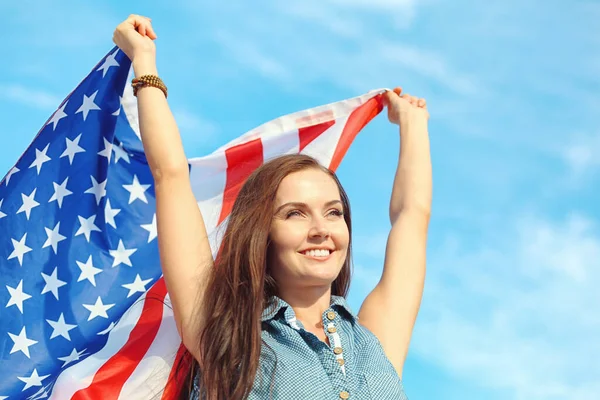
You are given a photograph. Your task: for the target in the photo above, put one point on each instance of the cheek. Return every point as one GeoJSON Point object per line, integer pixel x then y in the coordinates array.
{"type": "Point", "coordinates": [284, 240]}
{"type": "Point", "coordinates": [341, 236]}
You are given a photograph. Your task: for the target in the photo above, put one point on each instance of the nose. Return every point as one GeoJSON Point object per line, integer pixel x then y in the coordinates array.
{"type": "Point", "coordinates": [318, 228]}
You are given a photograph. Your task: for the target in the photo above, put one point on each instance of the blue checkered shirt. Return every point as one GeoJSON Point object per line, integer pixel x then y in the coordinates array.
{"type": "Point", "coordinates": [295, 364]}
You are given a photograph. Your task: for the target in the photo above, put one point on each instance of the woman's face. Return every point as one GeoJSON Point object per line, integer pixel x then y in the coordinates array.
{"type": "Point", "coordinates": [309, 237]}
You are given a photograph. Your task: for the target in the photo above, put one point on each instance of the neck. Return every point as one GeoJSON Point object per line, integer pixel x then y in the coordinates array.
{"type": "Point", "coordinates": [308, 303]}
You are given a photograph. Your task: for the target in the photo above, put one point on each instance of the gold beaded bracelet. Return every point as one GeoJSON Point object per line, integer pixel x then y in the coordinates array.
{"type": "Point", "coordinates": [148, 80]}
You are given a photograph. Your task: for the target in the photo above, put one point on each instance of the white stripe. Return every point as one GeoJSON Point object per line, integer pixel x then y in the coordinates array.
{"type": "Point", "coordinates": [208, 177]}
{"type": "Point", "coordinates": [129, 103]}
{"type": "Point", "coordinates": [278, 145]}
{"type": "Point", "coordinates": [80, 375]}
{"type": "Point", "coordinates": [150, 377]}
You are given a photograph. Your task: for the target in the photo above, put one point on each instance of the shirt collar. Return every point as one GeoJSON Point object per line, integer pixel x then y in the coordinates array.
{"type": "Point", "coordinates": [279, 305]}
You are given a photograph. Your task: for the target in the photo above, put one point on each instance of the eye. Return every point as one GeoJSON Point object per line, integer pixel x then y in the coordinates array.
{"type": "Point", "coordinates": [293, 213]}
{"type": "Point", "coordinates": [336, 212]}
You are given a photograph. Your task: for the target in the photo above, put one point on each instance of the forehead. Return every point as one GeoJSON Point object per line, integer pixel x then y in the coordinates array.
{"type": "Point", "coordinates": [307, 186]}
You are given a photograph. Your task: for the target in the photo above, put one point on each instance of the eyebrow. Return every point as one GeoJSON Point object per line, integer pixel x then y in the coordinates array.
{"type": "Point", "coordinates": [303, 205]}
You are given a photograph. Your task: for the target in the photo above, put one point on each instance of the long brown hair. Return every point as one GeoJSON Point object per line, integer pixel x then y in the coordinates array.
{"type": "Point", "coordinates": [240, 286]}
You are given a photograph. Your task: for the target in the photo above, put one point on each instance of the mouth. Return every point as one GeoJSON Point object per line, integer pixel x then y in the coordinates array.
{"type": "Point", "coordinates": [318, 254]}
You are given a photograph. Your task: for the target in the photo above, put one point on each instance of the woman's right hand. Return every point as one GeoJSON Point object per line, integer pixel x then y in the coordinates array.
{"type": "Point", "coordinates": [135, 37]}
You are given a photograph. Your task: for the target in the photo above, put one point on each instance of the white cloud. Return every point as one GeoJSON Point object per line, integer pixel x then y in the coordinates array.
{"type": "Point", "coordinates": [582, 154]}
{"type": "Point", "coordinates": [518, 313]}
{"type": "Point", "coordinates": [353, 46]}
{"type": "Point", "coordinates": [29, 97]}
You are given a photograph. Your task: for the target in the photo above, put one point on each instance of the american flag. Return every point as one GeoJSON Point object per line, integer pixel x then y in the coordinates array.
{"type": "Point", "coordinates": [84, 312]}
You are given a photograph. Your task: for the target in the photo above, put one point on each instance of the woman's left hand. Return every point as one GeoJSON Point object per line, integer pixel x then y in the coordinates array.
{"type": "Point", "coordinates": [404, 108]}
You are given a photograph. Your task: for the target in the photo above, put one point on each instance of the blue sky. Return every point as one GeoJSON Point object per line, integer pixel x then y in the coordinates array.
{"type": "Point", "coordinates": [513, 87]}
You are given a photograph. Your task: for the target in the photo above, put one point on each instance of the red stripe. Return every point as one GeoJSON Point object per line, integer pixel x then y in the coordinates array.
{"type": "Point", "coordinates": [242, 160]}
{"type": "Point", "coordinates": [357, 120]}
{"type": "Point", "coordinates": [310, 133]}
{"type": "Point", "coordinates": [110, 378]}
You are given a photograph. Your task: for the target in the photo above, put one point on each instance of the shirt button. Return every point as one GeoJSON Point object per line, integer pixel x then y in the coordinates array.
{"type": "Point", "coordinates": [331, 329]}
{"type": "Point", "coordinates": [337, 350]}
{"type": "Point", "coordinates": [341, 361]}
{"type": "Point", "coordinates": [344, 395]}
{"type": "Point", "coordinates": [331, 315]}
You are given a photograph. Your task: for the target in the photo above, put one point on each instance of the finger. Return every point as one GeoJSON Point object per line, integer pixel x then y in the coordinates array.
{"type": "Point", "coordinates": [398, 90]}
{"type": "Point", "coordinates": [139, 23]}
{"type": "Point", "coordinates": [387, 97]}
{"type": "Point", "coordinates": [151, 33]}
{"type": "Point", "coordinates": [422, 103]}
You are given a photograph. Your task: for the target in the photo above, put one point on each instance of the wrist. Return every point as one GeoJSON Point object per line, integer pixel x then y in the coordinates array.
{"type": "Point", "coordinates": [144, 64]}
{"type": "Point", "coordinates": [412, 124]}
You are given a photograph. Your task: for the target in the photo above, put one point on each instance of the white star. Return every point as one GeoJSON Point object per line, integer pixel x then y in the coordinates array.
{"type": "Point", "coordinates": [121, 255]}
{"type": "Point", "coordinates": [2, 215]}
{"type": "Point", "coordinates": [72, 149]}
{"type": "Point", "coordinates": [87, 226]}
{"type": "Point", "coordinates": [17, 297]}
{"type": "Point", "coordinates": [88, 271]}
{"type": "Point", "coordinates": [11, 173]}
{"type": "Point", "coordinates": [29, 203]}
{"type": "Point", "coordinates": [20, 249]}
{"type": "Point", "coordinates": [136, 191]}
{"type": "Point", "coordinates": [120, 153]}
{"type": "Point", "coordinates": [151, 228]}
{"type": "Point", "coordinates": [98, 310]}
{"type": "Point", "coordinates": [60, 192]}
{"type": "Point", "coordinates": [108, 329]}
{"type": "Point", "coordinates": [52, 283]}
{"type": "Point", "coordinates": [138, 285]}
{"type": "Point", "coordinates": [97, 189]}
{"type": "Point", "coordinates": [88, 105]}
{"type": "Point", "coordinates": [74, 356]}
{"type": "Point", "coordinates": [21, 342]}
{"type": "Point", "coordinates": [60, 328]}
{"type": "Point", "coordinates": [33, 380]}
{"type": "Point", "coordinates": [108, 62]}
{"type": "Point", "coordinates": [40, 394]}
{"type": "Point", "coordinates": [40, 158]}
{"type": "Point", "coordinates": [57, 116]}
{"type": "Point", "coordinates": [107, 151]}
{"type": "Point", "coordinates": [110, 214]}
{"type": "Point", "coordinates": [54, 237]}
{"type": "Point", "coordinates": [116, 113]}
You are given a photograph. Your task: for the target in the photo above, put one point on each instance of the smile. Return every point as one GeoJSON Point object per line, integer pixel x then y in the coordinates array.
{"type": "Point", "coordinates": [320, 254]}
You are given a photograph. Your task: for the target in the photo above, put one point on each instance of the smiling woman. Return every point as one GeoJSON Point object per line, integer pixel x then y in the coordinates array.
{"type": "Point", "coordinates": [268, 318]}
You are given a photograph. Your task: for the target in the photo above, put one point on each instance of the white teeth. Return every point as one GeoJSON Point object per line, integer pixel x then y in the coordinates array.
{"type": "Point", "coordinates": [317, 253]}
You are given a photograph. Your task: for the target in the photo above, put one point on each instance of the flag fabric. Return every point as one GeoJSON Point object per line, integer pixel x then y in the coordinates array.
{"type": "Point", "coordinates": [84, 311]}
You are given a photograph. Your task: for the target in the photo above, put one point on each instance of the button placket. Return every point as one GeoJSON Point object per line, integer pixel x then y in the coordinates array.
{"type": "Point", "coordinates": [335, 340]}
{"type": "Point", "coordinates": [337, 346]}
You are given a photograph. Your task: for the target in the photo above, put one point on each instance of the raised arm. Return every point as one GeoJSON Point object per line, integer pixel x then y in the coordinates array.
{"type": "Point", "coordinates": [391, 309]}
{"type": "Point", "coordinates": [185, 253]}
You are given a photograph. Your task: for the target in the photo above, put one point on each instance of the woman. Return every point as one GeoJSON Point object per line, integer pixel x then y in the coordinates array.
{"type": "Point", "coordinates": [268, 318]}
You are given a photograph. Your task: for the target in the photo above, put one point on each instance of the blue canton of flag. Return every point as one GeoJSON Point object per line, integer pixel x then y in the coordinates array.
{"type": "Point", "coordinates": [77, 235]}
